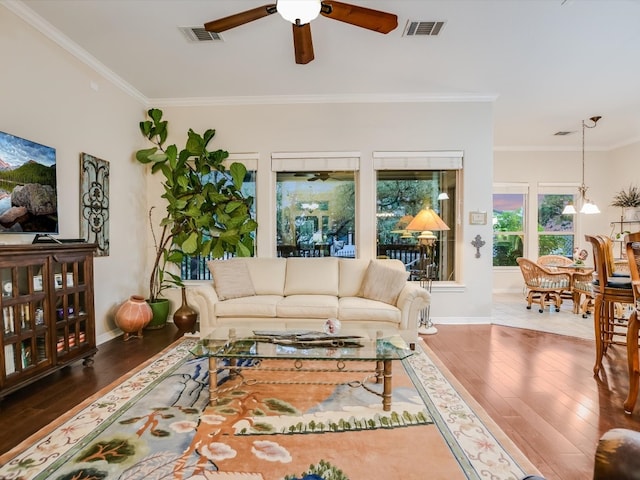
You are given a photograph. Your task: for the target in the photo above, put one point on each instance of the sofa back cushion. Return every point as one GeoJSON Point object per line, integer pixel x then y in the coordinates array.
{"type": "Point", "coordinates": [231, 278]}
{"type": "Point", "coordinates": [267, 274]}
{"type": "Point", "coordinates": [352, 272]}
{"type": "Point", "coordinates": [384, 280]}
{"type": "Point", "coordinates": [312, 276]}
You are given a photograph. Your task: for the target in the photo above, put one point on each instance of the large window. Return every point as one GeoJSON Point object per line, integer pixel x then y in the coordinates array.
{"type": "Point", "coordinates": [508, 227]}
{"type": "Point", "coordinates": [315, 214]}
{"type": "Point", "coordinates": [401, 195]}
{"type": "Point", "coordinates": [556, 232]}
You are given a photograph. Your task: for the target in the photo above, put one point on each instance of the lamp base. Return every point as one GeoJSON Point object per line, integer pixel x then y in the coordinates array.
{"type": "Point", "coordinates": [427, 330]}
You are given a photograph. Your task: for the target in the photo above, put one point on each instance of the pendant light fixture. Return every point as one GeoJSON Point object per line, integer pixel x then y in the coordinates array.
{"type": "Point", "coordinates": [588, 207]}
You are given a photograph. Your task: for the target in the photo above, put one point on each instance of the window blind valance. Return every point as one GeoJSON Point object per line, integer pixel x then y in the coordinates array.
{"type": "Point", "coordinates": [430, 160]}
{"type": "Point", "coordinates": [511, 188]}
{"type": "Point", "coordinates": [249, 160]}
{"type": "Point", "coordinates": [558, 188]}
{"type": "Point", "coordinates": [314, 161]}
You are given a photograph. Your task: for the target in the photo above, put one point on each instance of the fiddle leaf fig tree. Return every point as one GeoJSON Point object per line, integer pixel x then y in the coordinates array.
{"type": "Point", "coordinates": [206, 211]}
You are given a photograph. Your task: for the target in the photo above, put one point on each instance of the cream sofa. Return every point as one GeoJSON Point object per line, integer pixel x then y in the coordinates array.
{"type": "Point", "coordinates": [302, 293]}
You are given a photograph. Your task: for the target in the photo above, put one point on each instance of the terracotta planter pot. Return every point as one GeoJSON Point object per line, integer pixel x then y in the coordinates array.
{"type": "Point", "coordinates": [132, 316]}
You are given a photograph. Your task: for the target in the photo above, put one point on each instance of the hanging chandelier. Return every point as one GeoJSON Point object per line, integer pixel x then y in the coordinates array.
{"type": "Point", "coordinates": [588, 207]}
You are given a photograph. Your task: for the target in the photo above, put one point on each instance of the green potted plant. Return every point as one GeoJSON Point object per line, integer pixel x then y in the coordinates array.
{"type": "Point", "coordinates": [629, 200]}
{"type": "Point", "coordinates": [206, 211]}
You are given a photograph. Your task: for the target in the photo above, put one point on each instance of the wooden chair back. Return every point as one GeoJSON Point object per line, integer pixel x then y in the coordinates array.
{"type": "Point", "coordinates": [632, 241]}
{"type": "Point", "coordinates": [608, 253]}
{"type": "Point", "coordinates": [599, 261]}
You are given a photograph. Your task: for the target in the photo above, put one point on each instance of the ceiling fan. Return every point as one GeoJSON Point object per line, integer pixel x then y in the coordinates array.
{"type": "Point", "coordinates": [301, 12]}
{"type": "Point", "coordinates": [312, 177]}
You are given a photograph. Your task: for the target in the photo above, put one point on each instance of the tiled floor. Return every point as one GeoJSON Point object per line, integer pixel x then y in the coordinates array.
{"type": "Point", "coordinates": [510, 310]}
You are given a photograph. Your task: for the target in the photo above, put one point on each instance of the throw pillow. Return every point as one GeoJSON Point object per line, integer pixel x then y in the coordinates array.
{"type": "Point", "coordinates": [231, 278]}
{"type": "Point", "coordinates": [383, 283]}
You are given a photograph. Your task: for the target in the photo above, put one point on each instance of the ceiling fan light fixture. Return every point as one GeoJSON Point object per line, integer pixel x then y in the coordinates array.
{"type": "Point", "coordinates": [298, 12]}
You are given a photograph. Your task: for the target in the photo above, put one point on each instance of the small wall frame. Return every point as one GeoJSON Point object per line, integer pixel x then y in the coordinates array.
{"type": "Point", "coordinates": [477, 218]}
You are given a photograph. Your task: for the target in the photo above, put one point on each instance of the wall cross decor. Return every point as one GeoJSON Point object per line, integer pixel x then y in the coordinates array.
{"type": "Point", "coordinates": [478, 242]}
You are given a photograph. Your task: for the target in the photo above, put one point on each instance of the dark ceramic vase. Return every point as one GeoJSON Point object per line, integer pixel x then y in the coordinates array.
{"type": "Point", "coordinates": [185, 317]}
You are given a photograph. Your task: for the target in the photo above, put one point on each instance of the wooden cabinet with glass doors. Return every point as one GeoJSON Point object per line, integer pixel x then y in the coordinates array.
{"type": "Point", "coordinates": [47, 310]}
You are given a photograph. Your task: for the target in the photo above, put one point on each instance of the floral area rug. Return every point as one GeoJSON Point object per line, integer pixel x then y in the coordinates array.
{"type": "Point", "coordinates": [157, 423]}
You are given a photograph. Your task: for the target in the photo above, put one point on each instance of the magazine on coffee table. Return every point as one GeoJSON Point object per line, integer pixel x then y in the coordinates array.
{"type": "Point", "coordinates": [306, 338]}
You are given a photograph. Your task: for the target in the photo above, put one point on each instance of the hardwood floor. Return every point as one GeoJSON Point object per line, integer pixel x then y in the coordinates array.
{"type": "Point", "coordinates": [538, 387]}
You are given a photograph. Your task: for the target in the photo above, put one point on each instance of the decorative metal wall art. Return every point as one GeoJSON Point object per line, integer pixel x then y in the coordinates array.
{"type": "Point", "coordinates": [94, 202]}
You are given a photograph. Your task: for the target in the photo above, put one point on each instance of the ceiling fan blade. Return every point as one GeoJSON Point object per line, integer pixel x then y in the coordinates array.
{"type": "Point", "coordinates": [238, 19]}
{"type": "Point", "coordinates": [302, 43]}
{"type": "Point", "coordinates": [368, 18]}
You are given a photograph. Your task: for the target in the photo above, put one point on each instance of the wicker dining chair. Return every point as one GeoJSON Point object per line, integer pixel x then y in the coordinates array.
{"type": "Point", "coordinates": [583, 293]}
{"type": "Point", "coordinates": [610, 293]}
{"type": "Point", "coordinates": [551, 262]}
{"type": "Point", "coordinates": [543, 286]}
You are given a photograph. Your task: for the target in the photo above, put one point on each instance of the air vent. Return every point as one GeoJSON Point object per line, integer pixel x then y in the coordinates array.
{"type": "Point", "coordinates": [431, 29]}
{"type": "Point", "coordinates": [199, 34]}
{"type": "Point", "coordinates": [563, 133]}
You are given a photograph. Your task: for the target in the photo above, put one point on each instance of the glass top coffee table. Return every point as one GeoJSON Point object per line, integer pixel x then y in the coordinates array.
{"type": "Point", "coordinates": [225, 346]}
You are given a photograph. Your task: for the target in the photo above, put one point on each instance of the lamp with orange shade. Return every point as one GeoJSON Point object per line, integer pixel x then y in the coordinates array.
{"type": "Point", "coordinates": [427, 221]}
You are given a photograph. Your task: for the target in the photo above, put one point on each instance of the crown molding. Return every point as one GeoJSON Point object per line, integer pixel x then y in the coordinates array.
{"type": "Point", "coordinates": [542, 148]}
{"type": "Point", "coordinates": [302, 99]}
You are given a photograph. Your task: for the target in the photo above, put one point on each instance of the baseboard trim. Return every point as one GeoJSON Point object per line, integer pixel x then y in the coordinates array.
{"type": "Point", "coordinates": [461, 320]}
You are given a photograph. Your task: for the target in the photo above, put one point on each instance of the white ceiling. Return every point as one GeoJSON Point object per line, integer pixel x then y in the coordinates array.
{"type": "Point", "coordinates": [548, 64]}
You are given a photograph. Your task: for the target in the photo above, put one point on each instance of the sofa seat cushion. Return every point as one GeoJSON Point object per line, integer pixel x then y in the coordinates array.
{"type": "Point", "coordinates": [308, 306]}
{"type": "Point", "coordinates": [364, 309]}
{"type": "Point", "coordinates": [255, 306]}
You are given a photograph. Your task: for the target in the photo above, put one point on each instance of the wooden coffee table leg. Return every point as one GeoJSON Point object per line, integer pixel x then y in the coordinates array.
{"type": "Point", "coordinates": [386, 387]}
{"type": "Point", "coordinates": [379, 371]}
{"type": "Point", "coordinates": [213, 380]}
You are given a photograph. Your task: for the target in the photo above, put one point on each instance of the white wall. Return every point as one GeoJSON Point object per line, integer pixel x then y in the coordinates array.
{"type": "Point", "coordinates": [50, 97]}
{"type": "Point", "coordinates": [605, 173]}
{"type": "Point", "coordinates": [365, 128]}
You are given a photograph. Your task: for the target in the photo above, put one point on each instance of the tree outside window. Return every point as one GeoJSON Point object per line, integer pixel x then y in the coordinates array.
{"type": "Point", "coordinates": [556, 232]}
